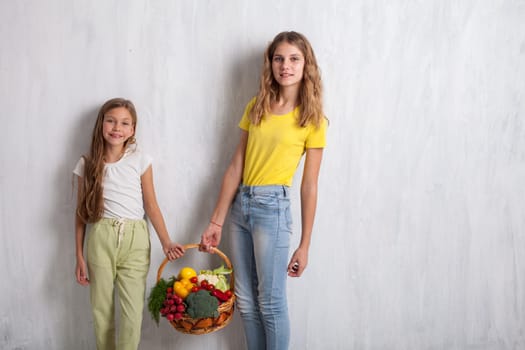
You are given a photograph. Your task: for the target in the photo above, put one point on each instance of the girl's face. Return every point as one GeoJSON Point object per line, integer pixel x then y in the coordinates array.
{"type": "Point", "coordinates": [118, 126]}
{"type": "Point", "coordinates": [288, 65]}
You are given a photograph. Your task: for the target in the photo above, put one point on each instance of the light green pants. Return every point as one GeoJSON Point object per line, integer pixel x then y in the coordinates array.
{"type": "Point", "coordinates": [118, 255]}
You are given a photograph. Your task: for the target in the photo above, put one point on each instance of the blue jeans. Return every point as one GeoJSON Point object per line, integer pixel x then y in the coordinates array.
{"type": "Point", "coordinates": [260, 238]}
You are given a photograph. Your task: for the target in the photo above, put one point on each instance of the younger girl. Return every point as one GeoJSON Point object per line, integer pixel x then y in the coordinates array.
{"type": "Point", "coordinates": [115, 190]}
{"type": "Point", "coordinates": [284, 121]}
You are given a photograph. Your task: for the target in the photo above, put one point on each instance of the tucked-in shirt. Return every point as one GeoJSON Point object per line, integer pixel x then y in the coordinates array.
{"type": "Point", "coordinates": [276, 145]}
{"type": "Point", "coordinates": [122, 188]}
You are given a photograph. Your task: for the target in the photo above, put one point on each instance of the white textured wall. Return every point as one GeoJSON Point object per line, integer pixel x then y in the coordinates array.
{"type": "Point", "coordinates": [420, 234]}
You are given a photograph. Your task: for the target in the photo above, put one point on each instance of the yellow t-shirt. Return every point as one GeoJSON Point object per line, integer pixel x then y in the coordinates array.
{"type": "Point", "coordinates": [276, 146]}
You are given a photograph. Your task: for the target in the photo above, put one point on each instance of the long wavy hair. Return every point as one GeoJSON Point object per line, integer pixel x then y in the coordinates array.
{"type": "Point", "coordinates": [90, 206]}
{"type": "Point", "coordinates": [310, 91]}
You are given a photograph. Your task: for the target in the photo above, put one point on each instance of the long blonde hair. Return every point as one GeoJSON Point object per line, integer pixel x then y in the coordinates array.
{"type": "Point", "coordinates": [310, 91]}
{"type": "Point", "coordinates": [90, 206]}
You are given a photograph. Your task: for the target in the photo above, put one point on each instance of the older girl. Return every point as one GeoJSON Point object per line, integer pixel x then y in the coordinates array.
{"type": "Point", "coordinates": [283, 122]}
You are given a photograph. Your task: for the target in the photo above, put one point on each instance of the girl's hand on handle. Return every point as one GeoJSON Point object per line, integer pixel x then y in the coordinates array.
{"type": "Point", "coordinates": [211, 237]}
{"type": "Point", "coordinates": [173, 251]}
{"type": "Point", "coordinates": [81, 273]}
{"type": "Point", "coordinates": [298, 263]}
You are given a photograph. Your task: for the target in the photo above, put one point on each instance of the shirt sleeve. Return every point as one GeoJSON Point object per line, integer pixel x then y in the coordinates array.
{"type": "Point", "coordinates": [145, 161]}
{"type": "Point", "coordinates": [244, 124]}
{"type": "Point", "coordinates": [317, 136]}
{"type": "Point", "coordinates": [79, 168]}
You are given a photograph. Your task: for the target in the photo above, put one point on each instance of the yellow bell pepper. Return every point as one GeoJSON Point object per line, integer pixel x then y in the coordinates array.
{"type": "Point", "coordinates": [186, 272]}
{"type": "Point", "coordinates": [187, 283]}
{"type": "Point", "coordinates": [180, 289]}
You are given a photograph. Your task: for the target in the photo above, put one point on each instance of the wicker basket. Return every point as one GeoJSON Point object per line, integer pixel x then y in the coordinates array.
{"type": "Point", "coordinates": [206, 325]}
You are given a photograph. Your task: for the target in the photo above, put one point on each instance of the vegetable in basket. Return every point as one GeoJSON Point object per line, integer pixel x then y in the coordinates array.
{"type": "Point", "coordinates": [187, 273]}
{"type": "Point", "coordinates": [157, 297]}
{"type": "Point", "coordinates": [216, 277]}
{"type": "Point", "coordinates": [182, 287]}
{"type": "Point", "coordinates": [202, 304]}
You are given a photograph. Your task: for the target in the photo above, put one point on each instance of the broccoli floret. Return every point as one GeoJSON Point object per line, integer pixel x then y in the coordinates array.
{"type": "Point", "coordinates": [202, 304]}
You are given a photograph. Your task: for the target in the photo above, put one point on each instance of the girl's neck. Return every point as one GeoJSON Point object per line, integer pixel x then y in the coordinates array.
{"type": "Point", "coordinates": [287, 101]}
{"type": "Point", "coordinates": [113, 154]}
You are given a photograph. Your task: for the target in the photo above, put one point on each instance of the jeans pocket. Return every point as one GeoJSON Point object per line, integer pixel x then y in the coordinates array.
{"type": "Point", "coordinates": [266, 201]}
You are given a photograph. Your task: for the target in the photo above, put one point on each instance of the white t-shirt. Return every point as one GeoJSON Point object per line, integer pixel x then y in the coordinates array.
{"type": "Point", "coordinates": [122, 189]}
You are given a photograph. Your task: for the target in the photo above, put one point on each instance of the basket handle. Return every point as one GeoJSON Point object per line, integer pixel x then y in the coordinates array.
{"type": "Point", "coordinates": [193, 246]}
